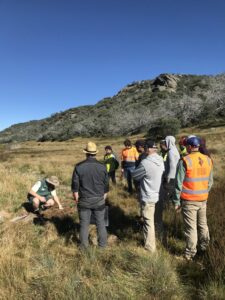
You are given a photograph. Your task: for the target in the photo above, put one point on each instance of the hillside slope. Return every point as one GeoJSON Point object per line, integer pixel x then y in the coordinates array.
{"type": "Point", "coordinates": [190, 98]}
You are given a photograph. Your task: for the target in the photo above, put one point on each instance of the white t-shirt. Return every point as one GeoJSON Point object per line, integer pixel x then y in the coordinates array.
{"type": "Point", "coordinates": [37, 186]}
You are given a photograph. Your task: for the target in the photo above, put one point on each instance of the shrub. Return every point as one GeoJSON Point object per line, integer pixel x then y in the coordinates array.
{"type": "Point", "coordinates": [164, 127]}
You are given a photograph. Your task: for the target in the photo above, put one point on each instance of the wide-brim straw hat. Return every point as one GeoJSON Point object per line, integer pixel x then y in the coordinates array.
{"type": "Point", "coordinates": [91, 148]}
{"type": "Point", "coordinates": [53, 180]}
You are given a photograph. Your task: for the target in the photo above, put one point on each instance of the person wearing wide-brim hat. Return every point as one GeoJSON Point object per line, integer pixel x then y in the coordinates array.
{"type": "Point", "coordinates": [43, 193]}
{"type": "Point", "coordinates": [90, 187]}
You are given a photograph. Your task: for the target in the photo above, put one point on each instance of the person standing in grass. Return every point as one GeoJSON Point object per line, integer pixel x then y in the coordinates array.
{"type": "Point", "coordinates": [129, 157]}
{"type": "Point", "coordinates": [194, 180]}
{"type": "Point", "coordinates": [171, 162]}
{"type": "Point", "coordinates": [43, 194]}
{"type": "Point", "coordinates": [111, 163]}
{"type": "Point", "coordinates": [149, 173]}
{"type": "Point", "coordinates": [90, 186]}
{"type": "Point", "coordinates": [140, 146]}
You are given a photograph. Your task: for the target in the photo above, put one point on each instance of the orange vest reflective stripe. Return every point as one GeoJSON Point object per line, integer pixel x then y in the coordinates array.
{"type": "Point", "coordinates": [129, 154]}
{"type": "Point", "coordinates": [196, 181]}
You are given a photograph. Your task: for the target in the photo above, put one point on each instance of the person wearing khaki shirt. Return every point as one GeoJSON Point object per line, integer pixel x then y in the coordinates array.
{"type": "Point", "coordinates": [194, 179]}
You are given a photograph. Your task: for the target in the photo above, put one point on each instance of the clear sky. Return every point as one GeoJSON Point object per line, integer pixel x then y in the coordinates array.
{"type": "Point", "coordinates": [58, 54]}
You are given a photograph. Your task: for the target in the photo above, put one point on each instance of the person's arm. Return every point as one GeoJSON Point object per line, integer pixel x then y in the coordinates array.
{"type": "Point", "coordinates": [210, 179]}
{"type": "Point", "coordinates": [33, 192]}
{"type": "Point", "coordinates": [106, 184]}
{"type": "Point", "coordinates": [75, 185]}
{"type": "Point", "coordinates": [56, 199]}
{"type": "Point", "coordinates": [136, 154]}
{"type": "Point", "coordinates": [138, 173]}
{"type": "Point", "coordinates": [180, 175]}
{"type": "Point", "coordinates": [76, 197]}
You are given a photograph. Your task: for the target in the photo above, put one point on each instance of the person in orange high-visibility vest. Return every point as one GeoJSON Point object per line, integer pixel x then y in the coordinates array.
{"type": "Point", "coordinates": [194, 179]}
{"type": "Point", "coordinates": [129, 157]}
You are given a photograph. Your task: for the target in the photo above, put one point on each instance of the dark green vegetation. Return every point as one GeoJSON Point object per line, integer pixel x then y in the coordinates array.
{"type": "Point", "coordinates": [137, 108]}
{"type": "Point", "coordinates": [164, 127]}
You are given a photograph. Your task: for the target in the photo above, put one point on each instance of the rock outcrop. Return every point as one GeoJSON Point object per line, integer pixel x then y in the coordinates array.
{"type": "Point", "coordinates": [165, 82]}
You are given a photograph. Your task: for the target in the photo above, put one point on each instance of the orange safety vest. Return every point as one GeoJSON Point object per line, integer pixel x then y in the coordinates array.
{"type": "Point", "coordinates": [196, 181]}
{"type": "Point", "coordinates": [129, 154]}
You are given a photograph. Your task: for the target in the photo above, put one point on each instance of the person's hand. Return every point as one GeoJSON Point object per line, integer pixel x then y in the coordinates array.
{"type": "Point", "coordinates": [42, 199]}
{"type": "Point", "coordinates": [177, 208]}
{"type": "Point", "coordinates": [60, 206]}
{"type": "Point", "coordinates": [76, 200]}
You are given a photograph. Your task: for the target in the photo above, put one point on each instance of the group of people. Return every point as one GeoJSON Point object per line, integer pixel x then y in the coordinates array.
{"type": "Point", "coordinates": [159, 177]}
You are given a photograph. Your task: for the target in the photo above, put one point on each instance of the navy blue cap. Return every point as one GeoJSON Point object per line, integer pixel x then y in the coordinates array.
{"type": "Point", "coordinates": [193, 142]}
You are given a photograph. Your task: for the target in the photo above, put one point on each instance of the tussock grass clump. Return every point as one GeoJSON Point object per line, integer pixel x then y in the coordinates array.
{"type": "Point", "coordinates": [36, 268]}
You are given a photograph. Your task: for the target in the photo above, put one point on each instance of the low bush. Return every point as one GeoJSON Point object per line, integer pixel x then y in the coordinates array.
{"type": "Point", "coordinates": [164, 127]}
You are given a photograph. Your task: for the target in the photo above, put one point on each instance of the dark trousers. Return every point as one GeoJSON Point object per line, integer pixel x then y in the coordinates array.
{"type": "Point", "coordinates": [112, 175]}
{"type": "Point", "coordinates": [85, 218]}
{"type": "Point", "coordinates": [128, 175]}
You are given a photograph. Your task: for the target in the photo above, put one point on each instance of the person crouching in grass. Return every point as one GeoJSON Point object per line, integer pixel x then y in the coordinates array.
{"type": "Point", "coordinates": [111, 163]}
{"type": "Point", "coordinates": [43, 194]}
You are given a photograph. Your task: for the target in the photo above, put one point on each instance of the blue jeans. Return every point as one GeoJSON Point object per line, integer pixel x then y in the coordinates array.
{"type": "Point", "coordinates": [85, 219]}
{"type": "Point", "coordinates": [128, 176]}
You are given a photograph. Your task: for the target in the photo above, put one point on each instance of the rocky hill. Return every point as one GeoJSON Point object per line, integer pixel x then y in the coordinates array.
{"type": "Point", "coordinates": [192, 99]}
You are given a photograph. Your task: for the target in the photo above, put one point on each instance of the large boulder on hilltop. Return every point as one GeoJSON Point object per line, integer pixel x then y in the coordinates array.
{"type": "Point", "coordinates": [165, 82]}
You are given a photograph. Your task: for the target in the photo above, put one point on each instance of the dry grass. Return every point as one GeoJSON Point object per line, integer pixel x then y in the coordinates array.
{"type": "Point", "coordinates": [41, 260]}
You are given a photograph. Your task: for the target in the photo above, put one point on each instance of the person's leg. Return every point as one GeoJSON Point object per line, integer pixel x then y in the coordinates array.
{"type": "Point", "coordinates": [129, 181]}
{"type": "Point", "coordinates": [49, 203]}
{"type": "Point", "coordinates": [189, 211]}
{"type": "Point", "coordinates": [169, 189]}
{"type": "Point", "coordinates": [113, 177]}
{"type": "Point", "coordinates": [101, 228]}
{"type": "Point", "coordinates": [35, 203]}
{"type": "Point", "coordinates": [159, 217]}
{"type": "Point", "coordinates": [203, 227]}
{"type": "Point", "coordinates": [148, 211]}
{"type": "Point", "coordinates": [85, 217]}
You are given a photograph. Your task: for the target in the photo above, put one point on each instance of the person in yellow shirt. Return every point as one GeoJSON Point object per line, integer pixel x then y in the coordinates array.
{"type": "Point", "coordinates": [111, 163]}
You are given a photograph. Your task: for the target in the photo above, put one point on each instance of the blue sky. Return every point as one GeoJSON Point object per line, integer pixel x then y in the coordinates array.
{"type": "Point", "coordinates": [58, 54]}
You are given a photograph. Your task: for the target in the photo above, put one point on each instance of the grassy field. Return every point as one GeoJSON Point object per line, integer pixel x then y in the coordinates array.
{"type": "Point", "coordinates": [40, 259]}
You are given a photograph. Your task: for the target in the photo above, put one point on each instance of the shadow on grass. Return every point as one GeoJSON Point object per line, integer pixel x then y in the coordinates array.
{"type": "Point", "coordinates": [65, 225]}
{"type": "Point", "coordinates": [28, 207]}
{"type": "Point", "coordinates": [125, 227]}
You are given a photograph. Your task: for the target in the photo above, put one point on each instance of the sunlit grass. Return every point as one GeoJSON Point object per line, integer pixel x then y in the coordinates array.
{"type": "Point", "coordinates": [43, 261]}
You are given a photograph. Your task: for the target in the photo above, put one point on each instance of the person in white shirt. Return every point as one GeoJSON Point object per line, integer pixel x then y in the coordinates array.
{"type": "Point", "coordinates": [43, 194]}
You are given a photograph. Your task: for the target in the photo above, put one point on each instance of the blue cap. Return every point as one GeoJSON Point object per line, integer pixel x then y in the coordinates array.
{"type": "Point", "coordinates": [193, 141]}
